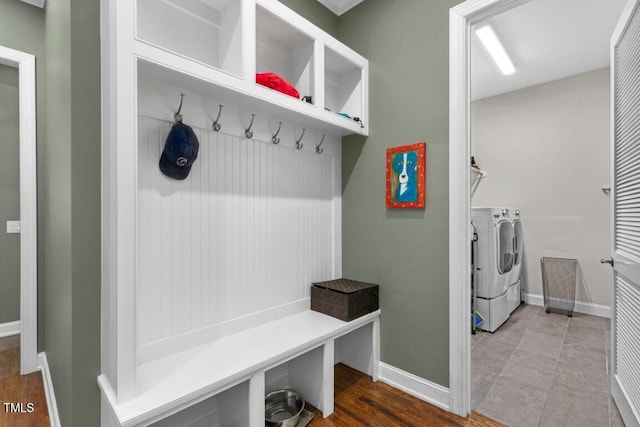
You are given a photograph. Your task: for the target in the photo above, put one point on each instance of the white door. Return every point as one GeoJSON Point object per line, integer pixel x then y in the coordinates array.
{"type": "Point", "coordinates": [625, 322]}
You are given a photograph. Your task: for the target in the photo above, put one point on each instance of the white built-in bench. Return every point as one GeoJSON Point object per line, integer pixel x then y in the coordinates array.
{"type": "Point", "coordinates": [224, 381]}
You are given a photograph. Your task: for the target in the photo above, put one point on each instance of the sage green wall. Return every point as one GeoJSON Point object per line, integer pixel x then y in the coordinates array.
{"type": "Point", "coordinates": [57, 204]}
{"type": "Point", "coordinates": [22, 28]}
{"type": "Point", "coordinates": [85, 209]}
{"type": "Point", "coordinates": [403, 250]}
{"type": "Point", "coordinates": [316, 13]}
{"type": "Point", "coordinates": [73, 207]}
{"type": "Point", "coordinates": [9, 195]}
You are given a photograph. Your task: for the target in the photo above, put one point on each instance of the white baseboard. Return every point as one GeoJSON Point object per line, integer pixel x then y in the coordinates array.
{"type": "Point", "coordinates": [581, 307]}
{"type": "Point", "coordinates": [9, 328]}
{"type": "Point", "coordinates": [43, 365]}
{"type": "Point", "coordinates": [419, 387]}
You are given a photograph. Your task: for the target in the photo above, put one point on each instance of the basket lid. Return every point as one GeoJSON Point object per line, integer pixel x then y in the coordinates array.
{"type": "Point", "coordinates": [345, 286]}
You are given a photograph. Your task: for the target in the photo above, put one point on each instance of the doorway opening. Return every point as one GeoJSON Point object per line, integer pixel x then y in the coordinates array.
{"type": "Point", "coordinates": [464, 19]}
{"type": "Point", "coordinates": [27, 225]}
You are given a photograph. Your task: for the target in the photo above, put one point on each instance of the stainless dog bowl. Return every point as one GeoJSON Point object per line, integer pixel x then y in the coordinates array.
{"type": "Point", "coordinates": [283, 408]}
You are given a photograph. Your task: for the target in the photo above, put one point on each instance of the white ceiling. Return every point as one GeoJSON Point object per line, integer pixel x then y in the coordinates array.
{"type": "Point", "coordinates": [39, 3]}
{"type": "Point", "coordinates": [340, 6]}
{"type": "Point", "coordinates": [547, 40]}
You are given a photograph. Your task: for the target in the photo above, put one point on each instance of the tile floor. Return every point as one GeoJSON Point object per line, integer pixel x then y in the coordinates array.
{"type": "Point", "coordinates": [542, 369]}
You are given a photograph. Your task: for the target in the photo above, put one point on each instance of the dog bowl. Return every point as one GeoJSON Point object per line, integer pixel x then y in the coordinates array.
{"type": "Point", "coordinates": [283, 408]}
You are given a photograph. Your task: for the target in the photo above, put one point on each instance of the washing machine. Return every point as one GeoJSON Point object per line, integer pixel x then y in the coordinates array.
{"type": "Point", "coordinates": [495, 261]}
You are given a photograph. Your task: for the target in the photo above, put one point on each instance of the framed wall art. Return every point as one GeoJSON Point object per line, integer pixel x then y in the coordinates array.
{"type": "Point", "coordinates": [406, 176]}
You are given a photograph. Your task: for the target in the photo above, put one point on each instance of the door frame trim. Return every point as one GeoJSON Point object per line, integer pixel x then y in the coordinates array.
{"type": "Point", "coordinates": [461, 19]}
{"type": "Point", "coordinates": [26, 65]}
{"type": "Point", "coordinates": [617, 390]}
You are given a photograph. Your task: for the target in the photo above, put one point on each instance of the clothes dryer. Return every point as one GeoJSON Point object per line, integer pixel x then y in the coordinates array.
{"type": "Point", "coordinates": [494, 263]}
{"type": "Point", "coordinates": [514, 289]}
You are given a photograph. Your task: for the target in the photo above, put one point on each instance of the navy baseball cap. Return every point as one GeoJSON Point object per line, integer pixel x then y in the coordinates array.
{"type": "Point", "coordinates": [180, 151]}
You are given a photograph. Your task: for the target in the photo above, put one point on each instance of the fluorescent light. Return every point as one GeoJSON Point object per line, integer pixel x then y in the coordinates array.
{"type": "Point", "coordinates": [494, 47]}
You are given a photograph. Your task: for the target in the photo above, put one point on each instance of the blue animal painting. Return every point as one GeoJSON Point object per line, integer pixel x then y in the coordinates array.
{"type": "Point", "coordinates": [406, 176]}
{"type": "Point", "coordinates": [406, 166]}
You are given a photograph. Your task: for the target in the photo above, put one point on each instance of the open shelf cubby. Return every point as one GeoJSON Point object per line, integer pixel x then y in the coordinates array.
{"type": "Point", "coordinates": [207, 31]}
{"type": "Point", "coordinates": [303, 374]}
{"type": "Point", "coordinates": [343, 84]}
{"type": "Point", "coordinates": [283, 49]}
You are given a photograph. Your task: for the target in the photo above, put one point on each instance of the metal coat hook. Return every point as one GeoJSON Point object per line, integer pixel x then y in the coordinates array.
{"type": "Point", "coordinates": [177, 117]}
{"type": "Point", "coordinates": [247, 132]}
{"type": "Point", "coordinates": [275, 138]}
{"type": "Point", "coordinates": [298, 144]}
{"type": "Point", "coordinates": [216, 123]}
{"type": "Point", "coordinates": [318, 149]}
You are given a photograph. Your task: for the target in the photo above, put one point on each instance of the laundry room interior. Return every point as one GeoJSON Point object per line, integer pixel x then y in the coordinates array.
{"type": "Point", "coordinates": [541, 167]}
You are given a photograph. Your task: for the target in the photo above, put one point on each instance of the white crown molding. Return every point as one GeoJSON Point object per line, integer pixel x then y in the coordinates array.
{"type": "Point", "coordinates": [39, 3]}
{"type": "Point", "coordinates": [339, 6]}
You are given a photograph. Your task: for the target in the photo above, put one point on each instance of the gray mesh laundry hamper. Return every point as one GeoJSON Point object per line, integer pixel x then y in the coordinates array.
{"type": "Point", "coordinates": [559, 283]}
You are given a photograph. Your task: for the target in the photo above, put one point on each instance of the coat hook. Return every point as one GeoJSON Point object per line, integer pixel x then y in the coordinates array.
{"type": "Point", "coordinates": [247, 131]}
{"type": "Point", "coordinates": [318, 149]}
{"type": "Point", "coordinates": [216, 123]}
{"type": "Point", "coordinates": [177, 117]}
{"type": "Point", "coordinates": [298, 144]}
{"type": "Point", "coordinates": [275, 138]}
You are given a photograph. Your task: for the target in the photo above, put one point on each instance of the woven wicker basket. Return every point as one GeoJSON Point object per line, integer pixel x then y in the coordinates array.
{"type": "Point", "coordinates": [344, 299]}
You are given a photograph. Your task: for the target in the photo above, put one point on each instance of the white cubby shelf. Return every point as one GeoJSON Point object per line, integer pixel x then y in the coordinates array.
{"type": "Point", "coordinates": [205, 281]}
{"type": "Point", "coordinates": [225, 43]}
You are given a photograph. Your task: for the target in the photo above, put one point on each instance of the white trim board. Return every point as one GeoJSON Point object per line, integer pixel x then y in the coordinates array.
{"type": "Point", "coordinates": [416, 386]}
{"type": "Point", "coordinates": [10, 328]}
{"type": "Point", "coordinates": [52, 406]}
{"type": "Point", "coordinates": [581, 306]}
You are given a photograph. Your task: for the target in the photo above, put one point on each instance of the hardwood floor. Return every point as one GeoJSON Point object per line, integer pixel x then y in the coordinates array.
{"type": "Point", "coordinates": [20, 389]}
{"type": "Point", "coordinates": [361, 402]}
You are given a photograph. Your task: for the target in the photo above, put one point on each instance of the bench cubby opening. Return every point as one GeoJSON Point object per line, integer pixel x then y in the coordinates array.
{"type": "Point", "coordinates": [227, 408]}
{"type": "Point", "coordinates": [303, 374]}
{"type": "Point", "coordinates": [357, 350]}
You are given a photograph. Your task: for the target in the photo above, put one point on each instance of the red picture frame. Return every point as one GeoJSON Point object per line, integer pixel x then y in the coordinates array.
{"type": "Point", "coordinates": [406, 176]}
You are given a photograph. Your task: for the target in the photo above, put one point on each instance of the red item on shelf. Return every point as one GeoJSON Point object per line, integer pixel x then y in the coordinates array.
{"type": "Point", "coordinates": [277, 82]}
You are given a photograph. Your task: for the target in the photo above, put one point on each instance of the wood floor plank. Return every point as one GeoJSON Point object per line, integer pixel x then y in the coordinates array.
{"type": "Point", "coordinates": [20, 390]}
{"type": "Point", "coordinates": [360, 402]}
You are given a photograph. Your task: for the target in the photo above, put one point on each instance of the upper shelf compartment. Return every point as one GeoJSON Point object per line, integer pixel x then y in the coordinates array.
{"type": "Point", "coordinates": [282, 49]}
{"type": "Point", "coordinates": [224, 43]}
{"type": "Point", "coordinates": [343, 85]}
{"type": "Point", "coordinates": [207, 31]}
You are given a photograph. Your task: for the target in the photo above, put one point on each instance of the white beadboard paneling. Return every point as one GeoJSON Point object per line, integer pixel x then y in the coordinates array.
{"type": "Point", "coordinates": [249, 229]}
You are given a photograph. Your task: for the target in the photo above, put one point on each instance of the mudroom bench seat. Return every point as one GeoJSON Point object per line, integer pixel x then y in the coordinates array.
{"type": "Point", "coordinates": [224, 381]}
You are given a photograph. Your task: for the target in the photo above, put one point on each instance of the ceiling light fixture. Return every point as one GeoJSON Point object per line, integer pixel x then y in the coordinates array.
{"type": "Point", "coordinates": [496, 50]}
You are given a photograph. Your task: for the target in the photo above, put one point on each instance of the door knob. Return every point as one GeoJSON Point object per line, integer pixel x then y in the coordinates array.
{"type": "Point", "coordinates": [607, 261]}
